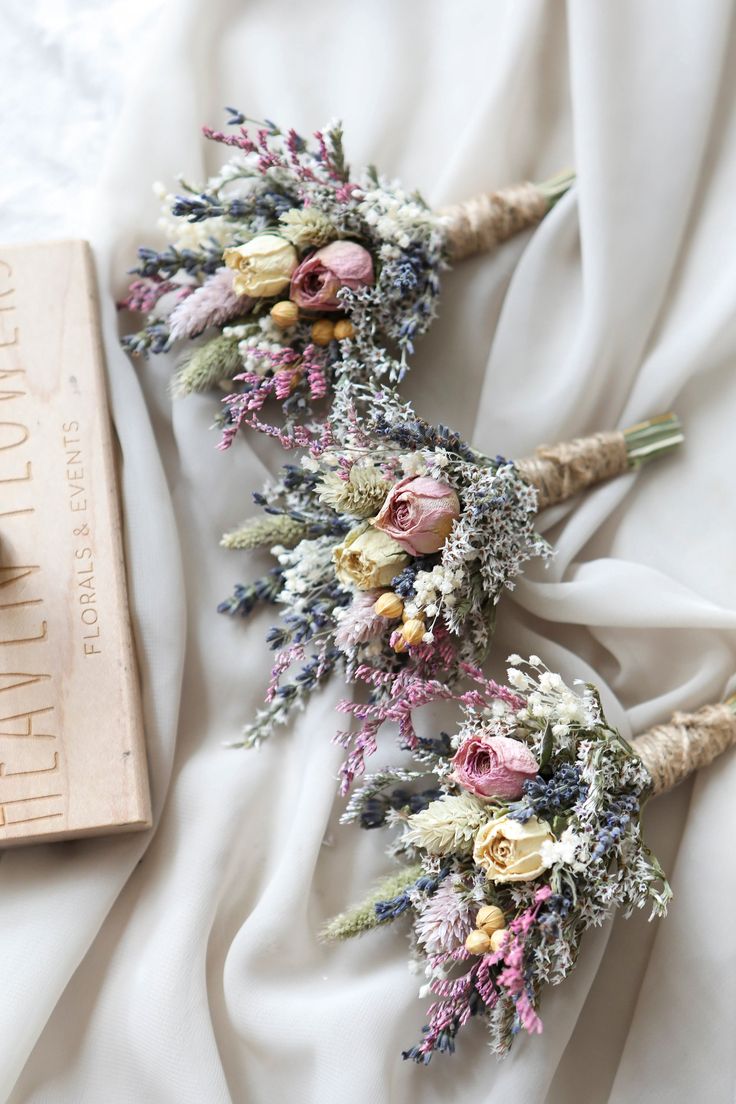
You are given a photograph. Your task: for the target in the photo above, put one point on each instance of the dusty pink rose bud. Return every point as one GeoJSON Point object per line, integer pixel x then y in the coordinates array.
{"type": "Point", "coordinates": [317, 280]}
{"type": "Point", "coordinates": [418, 513]}
{"type": "Point", "coordinates": [494, 766]}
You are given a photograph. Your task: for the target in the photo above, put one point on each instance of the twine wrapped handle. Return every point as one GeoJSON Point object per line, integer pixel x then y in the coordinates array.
{"type": "Point", "coordinates": [672, 751]}
{"type": "Point", "coordinates": [482, 222]}
{"type": "Point", "coordinates": [561, 471]}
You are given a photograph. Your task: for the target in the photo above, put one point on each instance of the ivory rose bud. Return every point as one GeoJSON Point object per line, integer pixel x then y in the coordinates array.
{"type": "Point", "coordinates": [368, 559]}
{"type": "Point", "coordinates": [317, 280]}
{"type": "Point", "coordinates": [510, 851]}
{"type": "Point", "coordinates": [263, 266]}
{"type": "Point", "coordinates": [418, 513]}
{"type": "Point", "coordinates": [494, 766]}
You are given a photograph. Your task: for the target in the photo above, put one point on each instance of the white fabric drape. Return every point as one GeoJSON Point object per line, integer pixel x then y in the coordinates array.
{"type": "Point", "coordinates": [183, 966]}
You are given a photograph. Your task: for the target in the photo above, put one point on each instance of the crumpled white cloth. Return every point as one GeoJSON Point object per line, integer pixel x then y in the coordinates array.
{"type": "Point", "coordinates": [184, 966]}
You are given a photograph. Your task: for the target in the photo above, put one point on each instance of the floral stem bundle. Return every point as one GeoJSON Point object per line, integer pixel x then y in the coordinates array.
{"type": "Point", "coordinates": [530, 835]}
{"type": "Point", "coordinates": [393, 542]}
{"type": "Point", "coordinates": [285, 273]}
{"type": "Point", "coordinates": [689, 742]}
{"type": "Point", "coordinates": [561, 471]}
{"type": "Point", "coordinates": [485, 221]}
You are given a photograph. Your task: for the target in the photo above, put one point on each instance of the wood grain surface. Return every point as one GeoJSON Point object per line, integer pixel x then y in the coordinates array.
{"type": "Point", "coordinates": [72, 754]}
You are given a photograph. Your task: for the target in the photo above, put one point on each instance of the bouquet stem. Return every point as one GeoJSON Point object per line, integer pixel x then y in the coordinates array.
{"type": "Point", "coordinates": [672, 751]}
{"type": "Point", "coordinates": [653, 438]}
{"type": "Point", "coordinates": [561, 471]}
{"type": "Point", "coordinates": [483, 222]}
{"type": "Point", "coordinates": [554, 188]}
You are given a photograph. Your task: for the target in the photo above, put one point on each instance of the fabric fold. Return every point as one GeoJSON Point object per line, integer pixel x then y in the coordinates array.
{"type": "Point", "coordinates": [185, 966]}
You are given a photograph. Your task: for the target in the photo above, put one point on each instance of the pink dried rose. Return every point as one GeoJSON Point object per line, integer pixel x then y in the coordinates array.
{"type": "Point", "coordinates": [494, 766]}
{"type": "Point", "coordinates": [317, 280]}
{"type": "Point", "coordinates": [419, 513]}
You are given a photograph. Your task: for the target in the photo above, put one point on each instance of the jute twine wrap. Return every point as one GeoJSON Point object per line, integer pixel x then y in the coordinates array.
{"type": "Point", "coordinates": [483, 222]}
{"type": "Point", "coordinates": [690, 741]}
{"type": "Point", "coordinates": [560, 471]}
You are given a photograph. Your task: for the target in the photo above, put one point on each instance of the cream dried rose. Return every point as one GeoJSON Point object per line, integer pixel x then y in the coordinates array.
{"type": "Point", "coordinates": [263, 266]}
{"type": "Point", "coordinates": [510, 851]}
{"type": "Point", "coordinates": [368, 558]}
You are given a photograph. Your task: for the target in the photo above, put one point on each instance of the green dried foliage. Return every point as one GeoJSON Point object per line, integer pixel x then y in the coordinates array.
{"type": "Point", "coordinates": [208, 365]}
{"type": "Point", "coordinates": [265, 533]}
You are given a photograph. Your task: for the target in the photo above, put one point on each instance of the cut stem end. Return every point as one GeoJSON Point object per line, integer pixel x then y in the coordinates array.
{"type": "Point", "coordinates": [554, 188]}
{"type": "Point", "coordinates": [653, 438]}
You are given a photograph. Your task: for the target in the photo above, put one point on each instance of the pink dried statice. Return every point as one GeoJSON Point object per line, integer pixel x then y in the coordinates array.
{"type": "Point", "coordinates": [358, 622]}
{"type": "Point", "coordinates": [212, 304]}
{"type": "Point", "coordinates": [364, 744]}
{"type": "Point", "coordinates": [295, 438]}
{"type": "Point", "coordinates": [241, 141]}
{"type": "Point", "coordinates": [243, 410]}
{"type": "Point", "coordinates": [398, 696]}
{"type": "Point", "coordinates": [445, 921]}
{"type": "Point", "coordinates": [284, 382]}
{"type": "Point", "coordinates": [243, 406]}
{"type": "Point", "coordinates": [445, 1017]}
{"type": "Point", "coordinates": [284, 660]}
{"type": "Point", "coordinates": [512, 954]}
{"type": "Point", "coordinates": [144, 294]}
{"type": "Point", "coordinates": [317, 381]}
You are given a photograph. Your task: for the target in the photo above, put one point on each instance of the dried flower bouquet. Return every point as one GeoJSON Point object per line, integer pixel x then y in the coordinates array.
{"type": "Point", "coordinates": [529, 836]}
{"type": "Point", "coordinates": [285, 274]}
{"type": "Point", "coordinates": [394, 541]}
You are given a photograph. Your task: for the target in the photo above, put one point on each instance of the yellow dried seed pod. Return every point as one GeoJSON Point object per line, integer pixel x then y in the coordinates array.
{"type": "Point", "coordinates": [285, 314]}
{"type": "Point", "coordinates": [401, 645]}
{"type": "Point", "coordinates": [413, 631]}
{"type": "Point", "coordinates": [389, 605]}
{"type": "Point", "coordinates": [490, 919]}
{"type": "Point", "coordinates": [478, 943]}
{"type": "Point", "coordinates": [498, 938]}
{"type": "Point", "coordinates": [344, 329]}
{"type": "Point", "coordinates": [323, 331]}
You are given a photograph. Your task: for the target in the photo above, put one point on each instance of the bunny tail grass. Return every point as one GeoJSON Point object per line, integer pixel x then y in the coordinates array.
{"type": "Point", "coordinates": [361, 918]}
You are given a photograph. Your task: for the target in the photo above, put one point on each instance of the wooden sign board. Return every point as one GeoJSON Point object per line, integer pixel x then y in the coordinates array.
{"type": "Point", "coordinates": [72, 756]}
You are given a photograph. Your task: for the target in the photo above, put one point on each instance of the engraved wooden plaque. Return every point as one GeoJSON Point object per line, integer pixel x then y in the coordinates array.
{"type": "Point", "coordinates": [72, 755]}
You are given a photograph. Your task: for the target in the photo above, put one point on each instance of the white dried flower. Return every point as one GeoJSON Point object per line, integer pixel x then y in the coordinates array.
{"type": "Point", "coordinates": [564, 851]}
{"type": "Point", "coordinates": [413, 463]}
{"type": "Point", "coordinates": [517, 678]}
